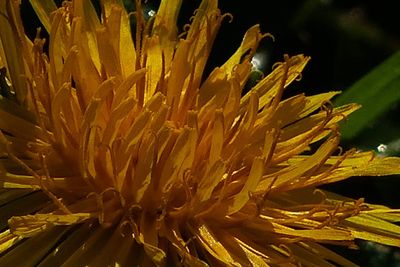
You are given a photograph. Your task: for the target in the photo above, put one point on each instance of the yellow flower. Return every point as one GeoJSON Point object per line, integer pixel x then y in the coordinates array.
{"type": "Point", "coordinates": [118, 152]}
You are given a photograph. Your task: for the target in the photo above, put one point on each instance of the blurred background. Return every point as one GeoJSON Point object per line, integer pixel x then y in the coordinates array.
{"type": "Point", "coordinates": [353, 46]}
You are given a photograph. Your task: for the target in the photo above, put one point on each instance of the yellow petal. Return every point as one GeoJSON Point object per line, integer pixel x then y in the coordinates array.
{"type": "Point", "coordinates": [144, 165]}
{"type": "Point", "coordinates": [12, 50]}
{"type": "Point", "coordinates": [374, 224]}
{"type": "Point", "coordinates": [179, 73]}
{"type": "Point", "coordinates": [328, 254]}
{"type": "Point", "coordinates": [29, 225]}
{"type": "Point", "coordinates": [149, 238]}
{"type": "Point", "coordinates": [67, 247]}
{"type": "Point", "coordinates": [240, 199]}
{"type": "Point", "coordinates": [42, 243]}
{"type": "Point", "coordinates": [89, 245]}
{"type": "Point", "coordinates": [85, 74]}
{"type": "Point", "coordinates": [90, 24]}
{"type": "Point", "coordinates": [43, 9]}
{"type": "Point", "coordinates": [316, 234]}
{"type": "Point", "coordinates": [57, 51]}
{"type": "Point", "coordinates": [166, 29]}
{"type": "Point", "coordinates": [291, 176]}
{"type": "Point", "coordinates": [210, 180]}
{"type": "Point", "coordinates": [267, 88]}
{"type": "Point", "coordinates": [247, 49]}
{"type": "Point", "coordinates": [216, 86]}
{"type": "Point", "coordinates": [154, 66]}
{"type": "Point", "coordinates": [382, 239]}
{"type": "Point", "coordinates": [118, 36]}
{"type": "Point", "coordinates": [7, 240]}
{"type": "Point", "coordinates": [179, 159]}
{"type": "Point", "coordinates": [174, 236]}
{"type": "Point", "coordinates": [213, 246]}
{"type": "Point", "coordinates": [201, 35]}
{"type": "Point", "coordinates": [19, 127]}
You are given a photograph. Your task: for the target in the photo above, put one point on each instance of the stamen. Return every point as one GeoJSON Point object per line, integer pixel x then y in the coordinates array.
{"type": "Point", "coordinates": [39, 178]}
{"type": "Point", "coordinates": [288, 252]}
{"type": "Point", "coordinates": [265, 35]}
{"type": "Point", "coordinates": [322, 193]}
{"type": "Point", "coordinates": [227, 15]}
{"type": "Point", "coordinates": [276, 65]}
{"type": "Point", "coordinates": [260, 202]}
{"type": "Point", "coordinates": [299, 76]}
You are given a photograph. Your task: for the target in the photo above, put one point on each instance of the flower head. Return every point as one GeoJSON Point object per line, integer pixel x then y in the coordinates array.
{"type": "Point", "coordinates": [120, 137]}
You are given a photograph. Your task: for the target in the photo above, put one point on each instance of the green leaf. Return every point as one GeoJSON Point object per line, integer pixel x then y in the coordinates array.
{"type": "Point", "coordinates": [376, 92]}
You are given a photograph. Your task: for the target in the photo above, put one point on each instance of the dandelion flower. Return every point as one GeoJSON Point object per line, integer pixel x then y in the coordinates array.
{"type": "Point", "coordinates": [116, 151]}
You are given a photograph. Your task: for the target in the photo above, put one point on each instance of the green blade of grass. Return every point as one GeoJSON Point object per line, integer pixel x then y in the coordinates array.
{"type": "Point", "coordinates": [376, 92]}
